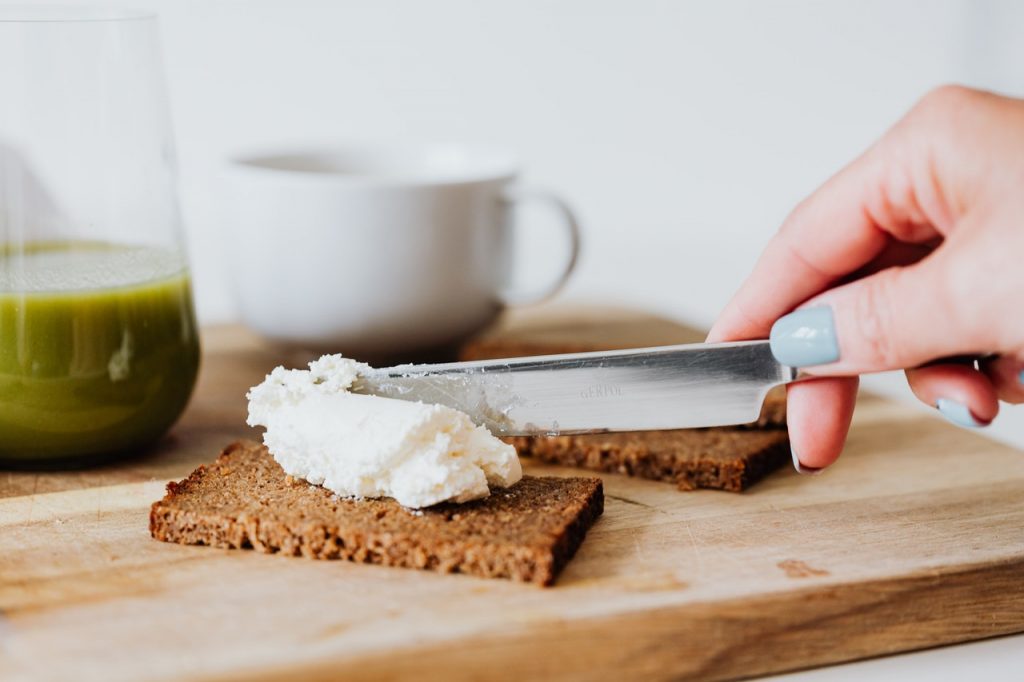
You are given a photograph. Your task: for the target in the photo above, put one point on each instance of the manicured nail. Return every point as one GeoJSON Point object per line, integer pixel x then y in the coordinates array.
{"type": "Point", "coordinates": [957, 413]}
{"type": "Point", "coordinates": [1020, 377]}
{"type": "Point", "coordinates": [805, 338]}
{"type": "Point", "coordinates": [800, 468]}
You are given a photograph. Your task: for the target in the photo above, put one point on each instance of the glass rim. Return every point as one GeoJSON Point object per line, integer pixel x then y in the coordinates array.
{"type": "Point", "coordinates": [70, 14]}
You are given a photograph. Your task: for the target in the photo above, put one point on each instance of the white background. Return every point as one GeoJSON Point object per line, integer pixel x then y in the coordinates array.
{"type": "Point", "coordinates": [683, 132]}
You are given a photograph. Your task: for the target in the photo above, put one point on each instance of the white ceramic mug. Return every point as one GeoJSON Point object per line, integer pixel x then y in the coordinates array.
{"type": "Point", "coordinates": [376, 251]}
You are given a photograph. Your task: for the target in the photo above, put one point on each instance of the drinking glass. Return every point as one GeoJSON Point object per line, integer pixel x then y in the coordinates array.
{"type": "Point", "coordinates": [98, 342]}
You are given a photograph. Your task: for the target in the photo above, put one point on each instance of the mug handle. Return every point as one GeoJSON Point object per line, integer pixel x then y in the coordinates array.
{"type": "Point", "coordinates": [517, 195]}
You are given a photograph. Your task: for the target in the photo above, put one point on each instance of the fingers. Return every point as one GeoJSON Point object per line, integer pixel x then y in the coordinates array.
{"type": "Point", "coordinates": [1006, 373]}
{"type": "Point", "coordinates": [913, 186]}
{"type": "Point", "coordinates": [963, 395]}
{"type": "Point", "coordinates": [889, 192]}
{"type": "Point", "coordinates": [897, 318]}
{"type": "Point", "coordinates": [828, 236]}
{"type": "Point", "coordinates": [818, 412]}
{"type": "Point", "coordinates": [896, 254]}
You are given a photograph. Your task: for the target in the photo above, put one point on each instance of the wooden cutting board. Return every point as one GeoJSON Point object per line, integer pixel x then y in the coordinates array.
{"type": "Point", "coordinates": [915, 538]}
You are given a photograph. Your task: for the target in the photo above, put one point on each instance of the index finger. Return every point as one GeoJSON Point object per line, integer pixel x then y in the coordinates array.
{"type": "Point", "coordinates": [827, 236]}
{"type": "Point", "coordinates": [888, 191]}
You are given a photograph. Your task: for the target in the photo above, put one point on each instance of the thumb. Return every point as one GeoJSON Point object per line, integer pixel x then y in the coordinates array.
{"type": "Point", "coordinates": [898, 318]}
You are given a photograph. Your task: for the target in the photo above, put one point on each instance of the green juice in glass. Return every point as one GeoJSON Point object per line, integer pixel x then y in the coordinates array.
{"type": "Point", "coordinates": [98, 350]}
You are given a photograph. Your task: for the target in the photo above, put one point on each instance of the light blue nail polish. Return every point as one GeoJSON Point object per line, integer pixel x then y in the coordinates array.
{"type": "Point", "coordinates": [1020, 377]}
{"type": "Point", "coordinates": [800, 468]}
{"type": "Point", "coordinates": [805, 338]}
{"type": "Point", "coordinates": [957, 413]}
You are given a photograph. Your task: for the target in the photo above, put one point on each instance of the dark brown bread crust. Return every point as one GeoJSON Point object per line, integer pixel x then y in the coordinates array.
{"type": "Point", "coordinates": [526, 532]}
{"type": "Point", "coordinates": [773, 411]}
{"type": "Point", "coordinates": [722, 459]}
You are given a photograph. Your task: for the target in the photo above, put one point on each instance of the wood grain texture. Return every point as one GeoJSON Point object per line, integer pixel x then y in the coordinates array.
{"type": "Point", "coordinates": [914, 539]}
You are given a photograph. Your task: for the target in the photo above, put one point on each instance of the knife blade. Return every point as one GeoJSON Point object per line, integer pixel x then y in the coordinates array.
{"type": "Point", "coordinates": [667, 387]}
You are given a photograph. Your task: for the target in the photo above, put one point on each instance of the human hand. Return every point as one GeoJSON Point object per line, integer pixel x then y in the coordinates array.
{"type": "Point", "coordinates": [912, 253]}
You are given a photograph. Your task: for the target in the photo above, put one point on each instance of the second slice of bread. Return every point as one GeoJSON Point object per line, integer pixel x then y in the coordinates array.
{"type": "Point", "coordinates": [727, 458]}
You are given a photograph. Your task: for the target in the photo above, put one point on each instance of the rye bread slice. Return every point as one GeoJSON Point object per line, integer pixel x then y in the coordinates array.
{"type": "Point", "coordinates": [722, 459]}
{"type": "Point", "coordinates": [244, 499]}
{"type": "Point", "coordinates": [725, 458]}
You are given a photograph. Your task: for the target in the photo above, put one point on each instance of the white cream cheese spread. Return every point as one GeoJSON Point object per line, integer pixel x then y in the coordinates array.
{"type": "Point", "coordinates": [367, 446]}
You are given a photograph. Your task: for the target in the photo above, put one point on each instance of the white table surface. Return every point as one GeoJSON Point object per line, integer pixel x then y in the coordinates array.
{"type": "Point", "coordinates": [1001, 658]}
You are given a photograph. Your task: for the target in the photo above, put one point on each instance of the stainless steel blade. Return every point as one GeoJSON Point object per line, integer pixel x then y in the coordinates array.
{"type": "Point", "coordinates": [668, 387]}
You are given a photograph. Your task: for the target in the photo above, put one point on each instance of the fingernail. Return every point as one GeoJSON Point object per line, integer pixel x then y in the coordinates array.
{"type": "Point", "coordinates": [957, 413]}
{"type": "Point", "coordinates": [805, 338]}
{"type": "Point", "coordinates": [800, 468]}
{"type": "Point", "coordinates": [1020, 377]}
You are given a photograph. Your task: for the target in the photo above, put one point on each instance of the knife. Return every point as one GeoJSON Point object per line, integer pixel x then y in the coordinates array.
{"type": "Point", "coordinates": [668, 387]}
